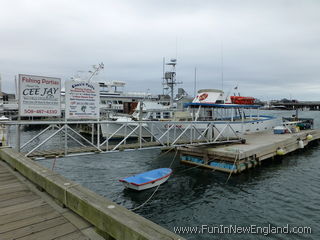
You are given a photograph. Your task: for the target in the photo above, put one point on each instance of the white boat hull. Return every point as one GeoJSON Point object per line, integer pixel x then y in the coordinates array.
{"type": "Point", "coordinates": [119, 130]}
{"type": "Point", "coordinates": [228, 129]}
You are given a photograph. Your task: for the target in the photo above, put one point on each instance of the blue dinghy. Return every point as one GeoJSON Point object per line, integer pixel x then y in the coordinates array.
{"type": "Point", "coordinates": [148, 179]}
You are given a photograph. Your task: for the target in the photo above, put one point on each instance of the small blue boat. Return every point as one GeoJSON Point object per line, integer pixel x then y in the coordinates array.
{"type": "Point", "coordinates": [148, 179]}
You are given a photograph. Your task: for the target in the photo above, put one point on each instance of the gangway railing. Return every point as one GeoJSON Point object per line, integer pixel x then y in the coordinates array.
{"type": "Point", "coordinates": [65, 138]}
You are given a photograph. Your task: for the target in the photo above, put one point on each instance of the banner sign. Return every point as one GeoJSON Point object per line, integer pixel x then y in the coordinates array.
{"type": "Point", "coordinates": [39, 96]}
{"type": "Point", "coordinates": [82, 100]}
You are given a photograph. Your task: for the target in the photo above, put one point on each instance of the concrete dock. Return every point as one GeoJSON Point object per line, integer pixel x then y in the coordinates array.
{"type": "Point", "coordinates": [258, 147]}
{"type": "Point", "coordinates": [36, 203]}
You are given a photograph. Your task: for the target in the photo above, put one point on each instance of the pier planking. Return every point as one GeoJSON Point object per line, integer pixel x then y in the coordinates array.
{"type": "Point", "coordinates": [24, 214]}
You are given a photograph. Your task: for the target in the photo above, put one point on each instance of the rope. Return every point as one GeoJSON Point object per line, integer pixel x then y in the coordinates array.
{"type": "Point", "coordinates": [154, 192]}
{"type": "Point", "coordinates": [174, 158]}
{"type": "Point", "coordinates": [189, 169]}
{"type": "Point", "coordinates": [235, 159]}
{"type": "Point", "coordinates": [164, 153]}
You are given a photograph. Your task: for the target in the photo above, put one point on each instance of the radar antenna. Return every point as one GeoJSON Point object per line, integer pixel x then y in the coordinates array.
{"type": "Point", "coordinates": [169, 78]}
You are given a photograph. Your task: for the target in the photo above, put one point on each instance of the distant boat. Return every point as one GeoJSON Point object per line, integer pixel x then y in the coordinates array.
{"type": "Point", "coordinates": [148, 179]}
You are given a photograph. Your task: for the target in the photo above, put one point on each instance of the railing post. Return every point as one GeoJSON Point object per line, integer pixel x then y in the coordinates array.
{"type": "Point", "coordinates": [192, 126]}
{"type": "Point", "coordinates": [107, 134]}
{"type": "Point", "coordinates": [125, 132]}
{"type": "Point", "coordinates": [168, 136]}
{"type": "Point", "coordinates": [18, 132]}
{"type": "Point", "coordinates": [140, 135]}
{"type": "Point", "coordinates": [98, 134]}
{"type": "Point", "coordinates": [92, 133]}
{"type": "Point", "coordinates": [65, 139]}
{"type": "Point", "coordinates": [151, 139]}
{"type": "Point", "coordinates": [229, 127]}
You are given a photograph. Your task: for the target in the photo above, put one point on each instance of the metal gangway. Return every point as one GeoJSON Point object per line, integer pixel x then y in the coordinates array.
{"type": "Point", "coordinates": [69, 138]}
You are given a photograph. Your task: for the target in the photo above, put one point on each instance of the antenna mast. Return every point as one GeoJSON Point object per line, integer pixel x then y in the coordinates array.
{"type": "Point", "coordinates": [163, 76]}
{"type": "Point", "coordinates": [96, 70]}
{"type": "Point", "coordinates": [1, 96]}
{"type": "Point", "coordinates": [221, 66]}
{"type": "Point", "coordinates": [170, 79]}
{"type": "Point", "coordinates": [195, 82]}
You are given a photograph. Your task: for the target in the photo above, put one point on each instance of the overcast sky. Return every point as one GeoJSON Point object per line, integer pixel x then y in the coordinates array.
{"type": "Point", "coordinates": [270, 48]}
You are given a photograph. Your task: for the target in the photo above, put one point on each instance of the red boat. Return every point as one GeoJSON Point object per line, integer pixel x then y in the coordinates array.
{"type": "Point", "coordinates": [242, 100]}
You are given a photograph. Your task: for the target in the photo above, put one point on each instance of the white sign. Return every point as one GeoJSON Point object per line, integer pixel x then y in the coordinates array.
{"type": "Point", "coordinates": [39, 96]}
{"type": "Point", "coordinates": [82, 100]}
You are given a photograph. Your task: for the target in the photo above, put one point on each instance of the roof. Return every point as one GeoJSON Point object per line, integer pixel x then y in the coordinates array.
{"type": "Point", "coordinates": [222, 105]}
{"type": "Point", "coordinates": [210, 90]}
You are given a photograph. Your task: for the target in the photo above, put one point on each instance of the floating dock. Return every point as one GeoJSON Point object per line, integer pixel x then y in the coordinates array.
{"type": "Point", "coordinates": [235, 158]}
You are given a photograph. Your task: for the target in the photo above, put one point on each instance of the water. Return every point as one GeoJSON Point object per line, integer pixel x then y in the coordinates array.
{"type": "Point", "coordinates": [279, 192]}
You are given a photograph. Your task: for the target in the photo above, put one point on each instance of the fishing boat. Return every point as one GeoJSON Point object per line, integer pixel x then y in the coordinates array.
{"type": "Point", "coordinates": [148, 179]}
{"type": "Point", "coordinates": [230, 116]}
{"type": "Point", "coordinates": [210, 106]}
{"type": "Point", "coordinates": [146, 111]}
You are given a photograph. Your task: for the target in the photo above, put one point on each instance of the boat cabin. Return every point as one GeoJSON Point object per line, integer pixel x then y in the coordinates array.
{"type": "Point", "coordinates": [212, 104]}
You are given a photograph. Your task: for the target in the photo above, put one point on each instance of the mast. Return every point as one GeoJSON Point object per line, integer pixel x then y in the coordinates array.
{"type": "Point", "coordinates": [96, 70]}
{"type": "Point", "coordinates": [1, 95]}
{"type": "Point", "coordinates": [0, 85]}
{"type": "Point", "coordinates": [221, 66]}
{"type": "Point", "coordinates": [163, 76]}
{"type": "Point", "coordinates": [195, 82]}
{"type": "Point", "coordinates": [170, 79]}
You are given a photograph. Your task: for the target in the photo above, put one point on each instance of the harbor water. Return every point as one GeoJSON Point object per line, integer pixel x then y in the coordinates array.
{"type": "Point", "coordinates": [280, 192]}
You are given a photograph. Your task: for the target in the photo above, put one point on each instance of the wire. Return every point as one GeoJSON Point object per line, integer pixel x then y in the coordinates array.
{"type": "Point", "coordinates": [174, 157]}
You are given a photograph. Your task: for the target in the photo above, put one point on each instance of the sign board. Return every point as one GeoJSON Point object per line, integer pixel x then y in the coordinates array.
{"type": "Point", "coordinates": [39, 96]}
{"type": "Point", "coordinates": [82, 100]}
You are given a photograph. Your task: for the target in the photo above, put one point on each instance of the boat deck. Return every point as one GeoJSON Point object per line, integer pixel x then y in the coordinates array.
{"type": "Point", "coordinates": [26, 213]}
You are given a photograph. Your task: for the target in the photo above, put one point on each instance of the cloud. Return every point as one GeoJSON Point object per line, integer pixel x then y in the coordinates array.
{"type": "Point", "coordinates": [267, 46]}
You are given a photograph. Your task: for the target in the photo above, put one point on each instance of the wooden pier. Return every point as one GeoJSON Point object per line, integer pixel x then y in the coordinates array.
{"type": "Point", "coordinates": [26, 213]}
{"type": "Point", "coordinates": [36, 203]}
{"type": "Point", "coordinates": [292, 105]}
{"type": "Point", "coordinates": [236, 158]}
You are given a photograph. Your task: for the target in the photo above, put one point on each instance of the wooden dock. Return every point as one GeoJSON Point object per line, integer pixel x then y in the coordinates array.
{"type": "Point", "coordinates": [26, 214]}
{"type": "Point", "coordinates": [258, 147]}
